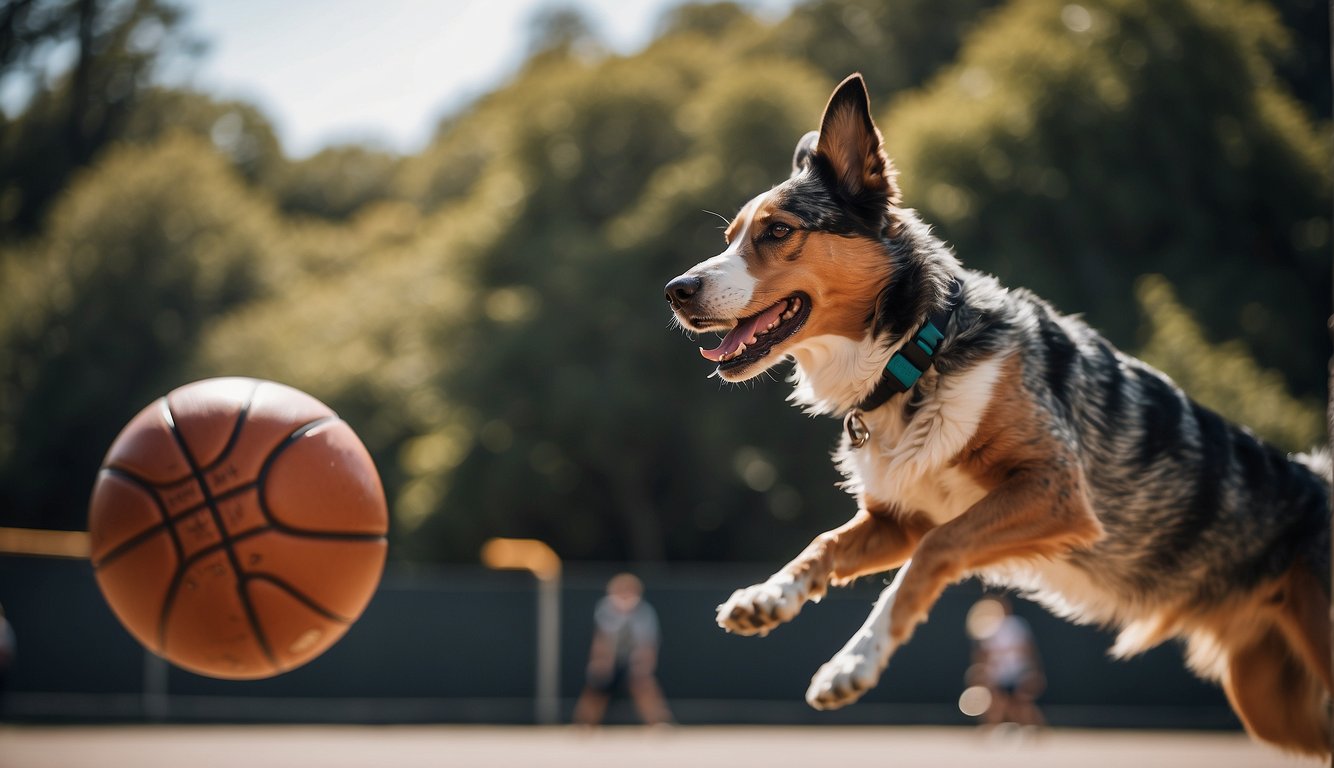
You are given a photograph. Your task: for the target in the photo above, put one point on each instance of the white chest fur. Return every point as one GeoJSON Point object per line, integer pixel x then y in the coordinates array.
{"type": "Point", "coordinates": [909, 464]}
{"type": "Point", "coordinates": [1066, 590]}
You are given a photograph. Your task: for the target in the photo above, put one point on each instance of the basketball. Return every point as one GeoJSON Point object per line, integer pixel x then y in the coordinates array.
{"type": "Point", "coordinates": [237, 527]}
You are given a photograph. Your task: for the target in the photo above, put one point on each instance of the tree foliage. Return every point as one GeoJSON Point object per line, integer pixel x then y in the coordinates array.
{"type": "Point", "coordinates": [336, 182]}
{"type": "Point", "coordinates": [1074, 147]}
{"type": "Point", "coordinates": [72, 115]}
{"type": "Point", "coordinates": [103, 315]}
{"type": "Point", "coordinates": [236, 129]}
{"type": "Point", "coordinates": [896, 45]}
{"type": "Point", "coordinates": [1225, 377]}
{"type": "Point", "coordinates": [487, 313]}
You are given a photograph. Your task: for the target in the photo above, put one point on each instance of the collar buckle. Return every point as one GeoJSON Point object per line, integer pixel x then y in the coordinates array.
{"type": "Point", "coordinates": [855, 427]}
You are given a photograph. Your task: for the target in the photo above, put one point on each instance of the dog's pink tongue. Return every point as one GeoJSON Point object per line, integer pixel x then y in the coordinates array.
{"type": "Point", "coordinates": [742, 332]}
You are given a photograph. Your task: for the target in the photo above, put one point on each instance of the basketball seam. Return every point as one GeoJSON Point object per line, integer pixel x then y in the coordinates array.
{"type": "Point", "coordinates": [236, 429]}
{"type": "Point", "coordinates": [277, 525]}
{"type": "Point", "coordinates": [169, 520]}
{"type": "Point", "coordinates": [164, 521]}
{"type": "Point", "coordinates": [236, 539]}
{"type": "Point", "coordinates": [226, 448]}
{"type": "Point", "coordinates": [174, 585]}
{"type": "Point", "coordinates": [215, 548]}
{"type": "Point", "coordinates": [226, 544]}
{"type": "Point", "coordinates": [305, 599]}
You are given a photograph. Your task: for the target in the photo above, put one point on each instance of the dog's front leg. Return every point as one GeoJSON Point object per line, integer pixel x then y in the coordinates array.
{"type": "Point", "coordinates": [1039, 512]}
{"type": "Point", "coordinates": [872, 541]}
{"type": "Point", "coordinates": [857, 667]}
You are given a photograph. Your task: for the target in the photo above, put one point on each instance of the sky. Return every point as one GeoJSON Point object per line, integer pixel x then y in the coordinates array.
{"type": "Point", "coordinates": [330, 71]}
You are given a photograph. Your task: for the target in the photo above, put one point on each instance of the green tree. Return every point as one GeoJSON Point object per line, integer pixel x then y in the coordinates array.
{"type": "Point", "coordinates": [1075, 146]}
{"type": "Point", "coordinates": [1224, 377]}
{"type": "Point", "coordinates": [1303, 61]}
{"type": "Point", "coordinates": [564, 411]}
{"type": "Point", "coordinates": [336, 182]}
{"type": "Point", "coordinates": [117, 45]}
{"type": "Point", "coordinates": [237, 130]}
{"type": "Point", "coordinates": [379, 305]}
{"type": "Point", "coordinates": [722, 22]}
{"type": "Point", "coordinates": [487, 314]}
{"type": "Point", "coordinates": [592, 428]}
{"type": "Point", "coordinates": [103, 314]}
{"type": "Point", "coordinates": [897, 45]}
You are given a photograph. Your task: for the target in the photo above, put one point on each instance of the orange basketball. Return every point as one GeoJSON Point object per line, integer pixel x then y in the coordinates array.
{"type": "Point", "coordinates": [238, 527]}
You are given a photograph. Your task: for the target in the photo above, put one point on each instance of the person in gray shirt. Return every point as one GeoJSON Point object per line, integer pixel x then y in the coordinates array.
{"type": "Point", "coordinates": [624, 655]}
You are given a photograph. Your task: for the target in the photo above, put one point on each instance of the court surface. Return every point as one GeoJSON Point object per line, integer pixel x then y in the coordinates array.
{"type": "Point", "coordinates": [622, 747]}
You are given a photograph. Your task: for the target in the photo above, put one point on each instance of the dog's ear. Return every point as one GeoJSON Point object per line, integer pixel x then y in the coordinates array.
{"type": "Point", "coordinates": [852, 146]}
{"type": "Point", "coordinates": [801, 159]}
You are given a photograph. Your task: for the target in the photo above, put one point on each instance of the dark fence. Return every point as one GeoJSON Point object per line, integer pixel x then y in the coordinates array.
{"type": "Point", "coordinates": [457, 645]}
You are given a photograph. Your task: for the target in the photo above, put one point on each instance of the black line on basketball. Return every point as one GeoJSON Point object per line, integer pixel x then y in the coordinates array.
{"type": "Point", "coordinates": [226, 542]}
{"type": "Point", "coordinates": [147, 533]}
{"type": "Point", "coordinates": [297, 434]}
{"type": "Point", "coordinates": [129, 543]}
{"type": "Point", "coordinates": [225, 495]}
{"type": "Point", "coordinates": [154, 488]}
{"type": "Point", "coordinates": [301, 533]}
{"type": "Point", "coordinates": [137, 478]}
{"type": "Point", "coordinates": [236, 429]}
{"type": "Point", "coordinates": [167, 602]}
{"type": "Point", "coordinates": [175, 537]}
{"type": "Point", "coordinates": [305, 599]}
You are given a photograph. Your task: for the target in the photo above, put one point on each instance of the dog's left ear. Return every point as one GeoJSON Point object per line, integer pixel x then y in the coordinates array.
{"type": "Point", "coordinates": [854, 149]}
{"type": "Point", "coordinates": [801, 159]}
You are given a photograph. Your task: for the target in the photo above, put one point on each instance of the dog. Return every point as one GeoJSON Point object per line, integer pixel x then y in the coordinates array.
{"type": "Point", "coordinates": [987, 435]}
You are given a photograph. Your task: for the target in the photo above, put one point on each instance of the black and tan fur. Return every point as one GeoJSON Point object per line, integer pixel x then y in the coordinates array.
{"type": "Point", "coordinates": [1032, 454]}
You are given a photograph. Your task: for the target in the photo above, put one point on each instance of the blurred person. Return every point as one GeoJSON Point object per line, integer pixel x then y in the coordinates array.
{"type": "Point", "coordinates": [1006, 663]}
{"type": "Point", "coordinates": [624, 655]}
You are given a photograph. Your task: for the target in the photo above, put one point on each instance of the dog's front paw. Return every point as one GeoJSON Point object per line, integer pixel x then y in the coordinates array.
{"type": "Point", "coordinates": [759, 608]}
{"type": "Point", "coordinates": [852, 672]}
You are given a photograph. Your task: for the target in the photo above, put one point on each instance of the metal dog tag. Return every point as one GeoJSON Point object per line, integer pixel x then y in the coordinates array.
{"type": "Point", "coordinates": [855, 426]}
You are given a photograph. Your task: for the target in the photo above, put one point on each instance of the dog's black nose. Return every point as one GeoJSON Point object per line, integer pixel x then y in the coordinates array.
{"type": "Point", "coordinates": [680, 290]}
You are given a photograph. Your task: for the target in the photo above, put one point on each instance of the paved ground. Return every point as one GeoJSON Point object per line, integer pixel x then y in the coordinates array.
{"type": "Point", "coordinates": [621, 747]}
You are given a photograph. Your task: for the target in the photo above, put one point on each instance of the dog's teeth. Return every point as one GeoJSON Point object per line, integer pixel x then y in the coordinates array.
{"type": "Point", "coordinates": [734, 354]}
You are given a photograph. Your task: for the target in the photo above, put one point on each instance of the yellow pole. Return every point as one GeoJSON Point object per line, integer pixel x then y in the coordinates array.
{"type": "Point", "coordinates": [40, 543]}
{"type": "Point", "coordinates": [539, 559]}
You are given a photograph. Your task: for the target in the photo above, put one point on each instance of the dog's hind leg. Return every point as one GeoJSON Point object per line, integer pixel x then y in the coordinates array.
{"type": "Point", "coordinates": [1280, 684]}
{"type": "Point", "coordinates": [1276, 695]}
{"type": "Point", "coordinates": [1304, 620]}
{"type": "Point", "coordinates": [872, 541]}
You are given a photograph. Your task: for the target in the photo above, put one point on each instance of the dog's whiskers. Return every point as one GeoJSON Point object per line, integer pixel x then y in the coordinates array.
{"type": "Point", "coordinates": [724, 219]}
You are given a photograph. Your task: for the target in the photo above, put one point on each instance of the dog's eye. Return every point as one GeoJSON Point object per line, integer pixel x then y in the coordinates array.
{"type": "Point", "coordinates": [779, 231]}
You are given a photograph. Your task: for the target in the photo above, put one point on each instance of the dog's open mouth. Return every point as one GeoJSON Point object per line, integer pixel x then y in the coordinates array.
{"type": "Point", "coordinates": [756, 336]}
